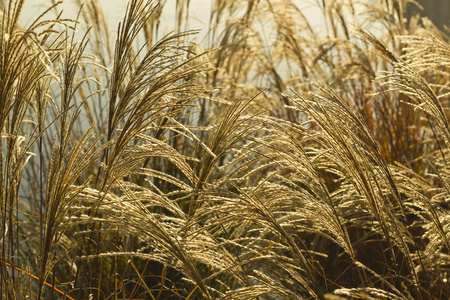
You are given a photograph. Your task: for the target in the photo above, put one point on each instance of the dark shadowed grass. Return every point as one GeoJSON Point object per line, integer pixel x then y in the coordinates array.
{"type": "Point", "coordinates": [273, 161]}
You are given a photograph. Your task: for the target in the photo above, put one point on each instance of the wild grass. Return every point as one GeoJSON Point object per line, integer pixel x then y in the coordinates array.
{"type": "Point", "coordinates": [272, 160]}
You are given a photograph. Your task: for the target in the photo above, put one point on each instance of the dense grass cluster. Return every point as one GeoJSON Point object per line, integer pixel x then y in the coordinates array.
{"type": "Point", "coordinates": [272, 160]}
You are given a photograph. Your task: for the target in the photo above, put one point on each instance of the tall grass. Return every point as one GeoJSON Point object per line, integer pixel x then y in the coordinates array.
{"type": "Point", "coordinates": [273, 160]}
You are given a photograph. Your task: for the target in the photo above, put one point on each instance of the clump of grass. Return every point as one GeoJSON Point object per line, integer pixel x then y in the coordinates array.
{"type": "Point", "coordinates": [271, 161]}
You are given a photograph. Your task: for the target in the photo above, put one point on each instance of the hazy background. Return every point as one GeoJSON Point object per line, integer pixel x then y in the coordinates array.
{"type": "Point", "coordinates": [114, 10]}
{"type": "Point", "coordinates": [437, 10]}
{"type": "Point", "coordinates": [199, 13]}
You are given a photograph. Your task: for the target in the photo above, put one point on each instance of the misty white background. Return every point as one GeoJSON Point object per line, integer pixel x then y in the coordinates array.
{"type": "Point", "coordinates": [114, 10]}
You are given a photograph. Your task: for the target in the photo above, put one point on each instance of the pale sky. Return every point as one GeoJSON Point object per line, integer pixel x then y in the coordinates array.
{"type": "Point", "coordinates": [115, 9]}
{"type": "Point", "coordinates": [199, 13]}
